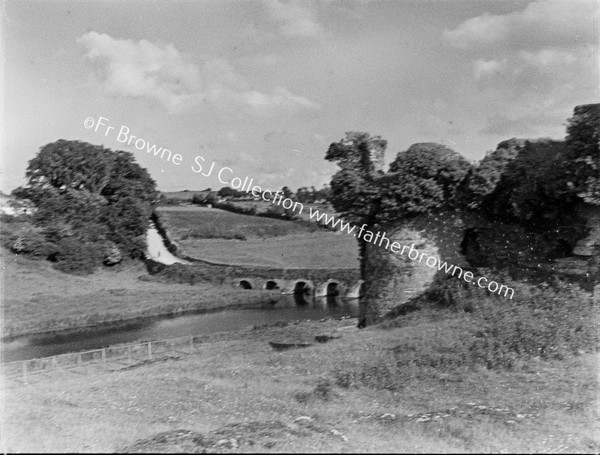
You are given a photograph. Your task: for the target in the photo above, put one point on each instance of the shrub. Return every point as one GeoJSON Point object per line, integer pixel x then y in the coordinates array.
{"type": "Point", "coordinates": [212, 232]}
{"type": "Point", "coordinates": [112, 254]}
{"type": "Point", "coordinates": [33, 243]}
{"type": "Point", "coordinates": [169, 201]}
{"type": "Point", "coordinates": [547, 321]}
{"type": "Point", "coordinates": [76, 257]}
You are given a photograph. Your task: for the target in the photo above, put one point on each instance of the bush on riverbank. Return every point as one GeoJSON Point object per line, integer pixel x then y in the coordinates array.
{"type": "Point", "coordinates": [468, 329]}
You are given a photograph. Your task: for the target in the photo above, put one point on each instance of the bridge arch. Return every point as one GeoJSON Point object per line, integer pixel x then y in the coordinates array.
{"type": "Point", "coordinates": [273, 284]}
{"type": "Point", "coordinates": [301, 286]}
{"type": "Point", "coordinates": [330, 287]}
{"type": "Point", "coordinates": [246, 283]}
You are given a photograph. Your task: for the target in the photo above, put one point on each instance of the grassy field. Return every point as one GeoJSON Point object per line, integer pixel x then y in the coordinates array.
{"type": "Point", "coordinates": [201, 222]}
{"type": "Point", "coordinates": [480, 374]}
{"type": "Point", "coordinates": [236, 394]}
{"type": "Point", "coordinates": [268, 242]}
{"type": "Point", "coordinates": [37, 297]}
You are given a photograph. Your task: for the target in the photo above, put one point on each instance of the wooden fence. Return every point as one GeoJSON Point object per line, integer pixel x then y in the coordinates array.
{"type": "Point", "coordinates": [113, 357]}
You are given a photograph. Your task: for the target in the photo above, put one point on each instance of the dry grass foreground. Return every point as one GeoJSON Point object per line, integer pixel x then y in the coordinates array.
{"type": "Point", "coordinates": [236, 394]}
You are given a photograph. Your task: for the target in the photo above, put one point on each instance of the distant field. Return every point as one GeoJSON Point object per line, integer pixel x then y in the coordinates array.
{"type": "Point", "coordinates": [182, 195]}
{"type": "Point", "coordinates": [201, 222]}
{"type": "Point", "coordinates": [320, 249]}
{"type": "Point", "coordinates": [269, 242]}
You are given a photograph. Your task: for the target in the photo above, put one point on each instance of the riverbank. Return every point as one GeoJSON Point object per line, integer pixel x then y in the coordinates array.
{"type": "Point", "coordinates": [235, 393]}
{"type": "Point", "coordinates": [39, 299]}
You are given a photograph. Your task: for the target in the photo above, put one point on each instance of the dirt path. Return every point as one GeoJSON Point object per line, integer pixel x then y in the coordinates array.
{"type": "Point", "coordinates": [157, 250]}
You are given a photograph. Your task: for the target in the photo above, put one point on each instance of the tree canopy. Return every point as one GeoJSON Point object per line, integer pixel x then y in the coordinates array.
{"type": "Point", "coordinates": [583, 158]}
{"type": "Point", "coordinates": [355, 192]}
{"type": "Point", "coordinates": [424, 177]}
{"type": "Point", "coordinates": [90, 194]}
{"type": "Point", "coordinates": [537, 183]}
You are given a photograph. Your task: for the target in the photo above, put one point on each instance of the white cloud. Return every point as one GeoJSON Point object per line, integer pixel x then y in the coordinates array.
{"type": "Point", "coordinates": [295, 18]}
{"type": "Point", "coordinates": [542, 23]}
{"type": "Point", "coordinates": [542, 56]}
{"type": "Point", "coordinates": [159, 72]}
{"type": "Point", "coordinates": [141, 69]}
{"type": "Point", "coordinates": [547, 58]}
{"type": "Point", "coordinates": [482, 67]}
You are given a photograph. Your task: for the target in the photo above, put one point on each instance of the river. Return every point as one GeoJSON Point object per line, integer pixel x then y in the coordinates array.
{"type": "Point", "coordinates": [288, 308]}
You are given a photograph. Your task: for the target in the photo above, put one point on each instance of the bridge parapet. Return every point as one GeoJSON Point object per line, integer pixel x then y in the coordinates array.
{"type": "Point", "coordinates": [319, 280]}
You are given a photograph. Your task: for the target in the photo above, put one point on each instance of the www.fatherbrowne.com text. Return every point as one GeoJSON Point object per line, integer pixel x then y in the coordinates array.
{"type": "Point", "coordinates": [226, 176]}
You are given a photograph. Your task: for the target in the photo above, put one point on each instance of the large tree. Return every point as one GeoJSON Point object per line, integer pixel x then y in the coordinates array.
{"type": "Point", "coordinates": [95, 195]}
{"type": "Point", "coordinates": [583, 158]}
{"type": "Point", "coordinates": [355, 192]}
{"type": "Point", "coordinates": [354, 188]}
{"type": "Point", "coordinates": [425, 177]}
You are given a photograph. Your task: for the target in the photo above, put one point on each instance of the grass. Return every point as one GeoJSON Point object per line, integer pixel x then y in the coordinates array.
{"type": "Point", "coordinates": [185, 222]}
{"type": "Point", "coordinates": [321, 249]}
{"type": "Point", "coordinates": [268, 242]}
{"type": "Point", "coordinates": [37, 297]}
{"type": "Point", "coordinates": [255, 399]}
{"type": "Point", "coordinates": [463, 372]}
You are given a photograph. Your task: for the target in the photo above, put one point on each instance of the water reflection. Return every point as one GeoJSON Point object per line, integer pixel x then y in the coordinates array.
{"type": "Point", "coordinates": [303, 298]}
{"type": "Point", "coordinates": [288, 308]}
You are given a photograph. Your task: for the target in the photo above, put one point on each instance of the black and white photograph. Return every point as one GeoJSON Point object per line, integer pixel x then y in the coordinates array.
{"type": "Point", "coordinates": [284, 226]}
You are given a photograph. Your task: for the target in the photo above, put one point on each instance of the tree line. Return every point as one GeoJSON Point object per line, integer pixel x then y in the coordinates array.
{"type": "Point", "coordinates": [535, 183]}
{"type": "Point", "coordinates": [93, 204]}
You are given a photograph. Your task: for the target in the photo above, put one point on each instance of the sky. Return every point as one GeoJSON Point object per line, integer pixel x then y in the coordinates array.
{"type": "Point", "coordinates": [264, 86]}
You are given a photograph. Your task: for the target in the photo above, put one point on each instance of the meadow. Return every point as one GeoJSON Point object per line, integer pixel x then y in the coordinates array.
{"type": "Point", "coordinates": [363, 392]}
{"type": "Point", "coordinates": [185, 222]}
{"type": "Point", "coordinates": [207, 234]}
{"type": "Point", "coordinates": [37, 297]}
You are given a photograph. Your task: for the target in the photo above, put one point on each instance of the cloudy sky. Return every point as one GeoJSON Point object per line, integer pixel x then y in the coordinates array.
{"type": "Point", "coordinates": [265, 86]}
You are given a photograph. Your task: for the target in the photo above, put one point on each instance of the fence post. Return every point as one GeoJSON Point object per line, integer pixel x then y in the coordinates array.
{"type": "Point", "coordinates": [103, 355]}
{"type": "Point", "coordinates": [150, 350]}
{"type": "Point", "coordinates": [25, 372]}
{"type": "Point", "coordinates": [192, 344]}
{"type": "Point", "coordinates": [79, 359]}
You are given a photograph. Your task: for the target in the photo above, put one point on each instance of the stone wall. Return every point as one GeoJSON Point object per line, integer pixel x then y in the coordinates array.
{"type": "Point", "coordinates": [470, 241]}
{"type": "Point", "coordinates": [201, 271]}
{"type": "Point", "coordinates": [391, 279]}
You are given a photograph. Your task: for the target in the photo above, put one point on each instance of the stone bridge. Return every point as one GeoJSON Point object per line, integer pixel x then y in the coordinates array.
{"type": "Point", "coordinates": [318, 282]}
{"type": "Point", "coordinates": [345, 283]}
{"type": "Point", "coordinates": [162, 258]}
